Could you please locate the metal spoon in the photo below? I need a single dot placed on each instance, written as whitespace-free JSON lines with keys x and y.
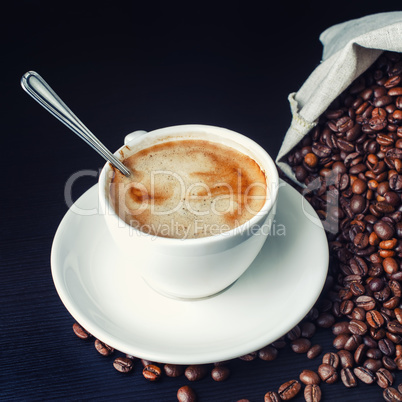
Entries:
{"x":38,"y":88}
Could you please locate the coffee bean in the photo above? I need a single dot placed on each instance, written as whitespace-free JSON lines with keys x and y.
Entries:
{"x":374,"y":353}
{"x":386,"y":347}
{"x":220,"y":373}
{"x":357,"y":327}
{"x":289,"y":390}
{"x":384,"y":378}
{"x":249,"y":357}
{"x":353,"y":342}
{"x":384,"y":230}
{"x":348,"y":378}
{"x":363,"y":374}
{"x":331,"y":358}
{"x":312,"y":393}
{"x":394,"y":327}
{"x":340,"y":341}
{"x":366,"y":302}
{"x":123,"y":364}
{"x":341,"y":327}
{"x":102,"y":348}
{"x":374,"y":319}
{"x":195,"y":372}
{"x":360,"y":353}
{"x":81,"y":332}
{"x":294,"y":333}
{"x":300,"y":345}
{"x":272,"y":396}
{"x":389,"y":363}
{"x":345,"y":358}
{"x":314,"y":351}
{"x":392,"y":395}
{"x":308,"y":329}
{"x":325,"y":320}
{"x":327,"y":373}
{"x":268,"y":353}
{"x":152,"y":372}
{"x":186,"y":394}
{"x":372,"y":364}
{"x":173,"y":370}
{"x":309,"y":377}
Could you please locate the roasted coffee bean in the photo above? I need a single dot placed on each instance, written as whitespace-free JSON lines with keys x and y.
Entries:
{"x":312,"y":393}
{"x":357,"y":327}
{"x":340,"y":341}
{"x":389,"y":363}
{"x":363,"y":374}
{"x":314,"y":351}
{"x":341,"y":327}
{"x":294,"y":333}
{"x":220,"y":373}
{"x":360,"y":353}
{"x":370,"y":342}
{"x":357,"y":204}
{"x":309,"y":377}
{"x":186,"y":394}
{"x":392,"y":395}
{"x":195,"y":372}
{"x":386,"y":347}
{"x":345,"y":358}
{"x":384,"y":378}
{"x":289,"y":390}
{"x":331,"y":358}
{"x":249,"y":357}
{"x":398,"y":314}
{"x":279,"y":344}
{"x":152,"y":372}
{"x":307,"y":329}
{"x":348,"y":378}
{"x":173,"y":370}
{"x":327,"y":373}
{"x":272,"y":396}
{"x":102,"y":348}
{"x":374,"y":318}
{"x":300,"y":345}
{"x":374,"y":353}
{"x":366,"y":302}
{"x":394,"y":327}
{"x":353,"y":342}
{"x":123,"y":364}
{"x":325,"y":320}
{"x":268,"y":353}
{"x":372,"y":364}
{"x":384,"y":230}
{"x":81,"y":332}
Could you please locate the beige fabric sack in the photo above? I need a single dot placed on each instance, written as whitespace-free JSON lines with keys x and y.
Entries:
{"x":350,"y":48}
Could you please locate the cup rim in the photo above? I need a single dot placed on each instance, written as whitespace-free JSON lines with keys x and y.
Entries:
{"x":219,"y":131}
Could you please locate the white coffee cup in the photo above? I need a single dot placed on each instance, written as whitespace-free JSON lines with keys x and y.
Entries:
{"x":192,"y":268}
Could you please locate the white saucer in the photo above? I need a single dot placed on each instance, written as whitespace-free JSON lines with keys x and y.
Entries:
{"x":273,"y":295}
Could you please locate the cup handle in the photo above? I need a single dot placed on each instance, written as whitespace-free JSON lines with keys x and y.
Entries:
{"x":134,"y":134}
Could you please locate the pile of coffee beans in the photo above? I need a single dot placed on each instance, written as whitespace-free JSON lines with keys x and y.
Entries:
{"x":351,"y":167}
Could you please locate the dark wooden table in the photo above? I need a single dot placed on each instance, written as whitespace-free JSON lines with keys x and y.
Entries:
{"x":122,"y":66}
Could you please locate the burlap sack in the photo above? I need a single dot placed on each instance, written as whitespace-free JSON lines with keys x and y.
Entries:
{"x":350,"y":48}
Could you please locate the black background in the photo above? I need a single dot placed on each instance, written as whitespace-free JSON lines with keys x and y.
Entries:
{"x":124,"y":66}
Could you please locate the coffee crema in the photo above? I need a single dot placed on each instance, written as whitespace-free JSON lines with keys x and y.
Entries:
{"x":188,"y":189}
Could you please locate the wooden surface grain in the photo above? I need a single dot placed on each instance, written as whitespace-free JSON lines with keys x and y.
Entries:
{"x":124,"y":66}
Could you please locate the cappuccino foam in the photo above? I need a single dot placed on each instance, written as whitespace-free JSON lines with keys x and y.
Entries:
{"x":188,"y":189}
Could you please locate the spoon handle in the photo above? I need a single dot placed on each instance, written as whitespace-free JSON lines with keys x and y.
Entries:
{"x":38,"y":88}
